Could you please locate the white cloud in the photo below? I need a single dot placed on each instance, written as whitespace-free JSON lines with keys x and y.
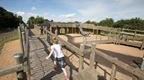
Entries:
{"x":20,"y":13}
{"x":26,"y":15}
{"x":101,"y":9}
{"x":33,"y":8}
{"x":93,"y":10}
{"x":70,"y":15}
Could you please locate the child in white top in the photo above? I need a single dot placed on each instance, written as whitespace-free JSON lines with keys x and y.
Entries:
{"x":56,"y":50}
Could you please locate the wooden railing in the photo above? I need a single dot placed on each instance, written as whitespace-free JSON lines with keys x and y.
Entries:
{"x":120,"y":36}
{"x":137,"y":73}
{"x":22,"y":59}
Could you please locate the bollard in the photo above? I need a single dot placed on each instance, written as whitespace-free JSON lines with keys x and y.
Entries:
{"x":21,"y":75}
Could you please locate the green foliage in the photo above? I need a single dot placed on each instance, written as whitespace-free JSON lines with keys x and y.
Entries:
{"x":38,"y":20}
{"x":91,"y":22}
{"x":107,"y":22}
{"x":8,"y":20}
{"x":31,"y":21}
{"x":134,"y":23}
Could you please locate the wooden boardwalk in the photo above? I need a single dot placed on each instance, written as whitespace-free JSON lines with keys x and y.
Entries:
{"x":42,"y":69}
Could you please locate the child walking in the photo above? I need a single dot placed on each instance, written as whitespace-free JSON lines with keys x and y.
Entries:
{"x":56,"y":50}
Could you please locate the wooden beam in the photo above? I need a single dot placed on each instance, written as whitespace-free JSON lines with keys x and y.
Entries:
{"x":68,"y":45}
{"x":11,"y":69}
{"x":135,"y":71}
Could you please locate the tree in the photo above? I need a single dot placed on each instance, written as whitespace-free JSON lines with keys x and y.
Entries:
{"x":107,"y":22}
{"x":133,"y":23}
{"x":91,"y":22}
{"x":8,"y":20}
{"x":88,"y":22}
{"x":39,"y":20}
{"x":31,"y":21}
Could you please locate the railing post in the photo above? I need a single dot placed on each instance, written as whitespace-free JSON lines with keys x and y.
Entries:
{"x":142,"y":45}
{"x":113,"y":72}
{"x":21,"y":40}
{"x":56,"y":32}
{"x":134,"y":35}
{"x":81,"y":58}
{"x":92,"y":56}
{"x":109,"y":35}
{"x":50,"y":37}
{"x":134,"y":77}
{"x":142,"y":64}
{"x":21,"y":75}
{"x":27,"y":47}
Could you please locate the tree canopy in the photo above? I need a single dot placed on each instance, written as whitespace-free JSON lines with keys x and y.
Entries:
{"x":107,"y":22}
{"x":133,"y":23}
{"x":8,"y":20}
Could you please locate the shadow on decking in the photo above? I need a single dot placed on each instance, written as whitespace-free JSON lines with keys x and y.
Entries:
{"x":52,"y":74}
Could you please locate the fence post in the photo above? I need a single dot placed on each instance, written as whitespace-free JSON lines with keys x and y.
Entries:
{"x":142,"y":64}
{"x":134,"y":77}
{"x":109,"y":35}
{"x":142,"y":45}
{"x":81,"y":58}
{"x":50,"y":35}
{"x":21,"y":75}
{"x":134,"y":35}
{"x":56,"y":32}
{"x":27,"y":47}
{"x":92,"y":56}
{"x":113,"y":72}
{"x":21,"y":40}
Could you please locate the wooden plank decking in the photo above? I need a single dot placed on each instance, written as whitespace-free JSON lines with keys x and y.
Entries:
{"x":42,"y":69}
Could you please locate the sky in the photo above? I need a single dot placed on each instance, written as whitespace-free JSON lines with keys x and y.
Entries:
{"x":76,"y":10}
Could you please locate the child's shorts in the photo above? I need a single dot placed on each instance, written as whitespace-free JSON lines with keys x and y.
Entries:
{"x":61,"y":62}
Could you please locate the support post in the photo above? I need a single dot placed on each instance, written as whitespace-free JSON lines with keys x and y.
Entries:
{"x":21,"y":40}
{"x":134,"y":77}
{"x":92,"y":56}
{"x":142,"y":45}
{"x":27,"y":47}
{"x":134,"y":35}
{"x":113,"y":72}
{"x":50,"y":35}
{"x":109,"y":35}
{"x":142,"y":64}
{"x":81,"y":58}
{"x":21,"y":75}
{"x":56,"y":32}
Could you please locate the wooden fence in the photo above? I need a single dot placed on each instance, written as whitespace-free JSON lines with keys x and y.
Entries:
{"x":137,"y":73}
{"x":120,"y":36}
{"x":22,"y":59}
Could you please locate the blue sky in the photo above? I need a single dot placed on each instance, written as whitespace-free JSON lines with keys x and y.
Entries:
{"x":76,"y":10}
